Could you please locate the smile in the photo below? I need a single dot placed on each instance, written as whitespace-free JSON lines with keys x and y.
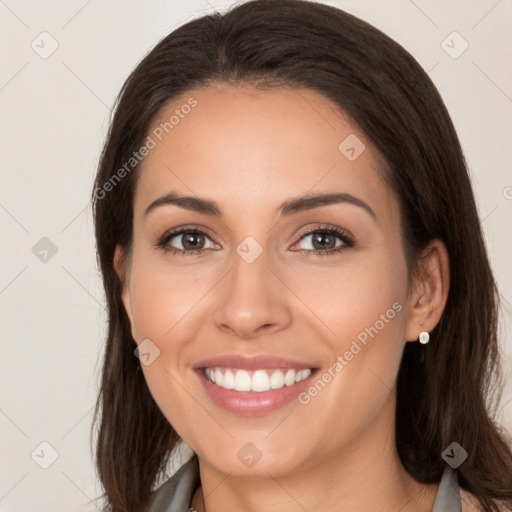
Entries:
{"x":257,"y":381}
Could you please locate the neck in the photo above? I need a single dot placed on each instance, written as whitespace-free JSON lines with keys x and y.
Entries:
{"x":366,"y":474}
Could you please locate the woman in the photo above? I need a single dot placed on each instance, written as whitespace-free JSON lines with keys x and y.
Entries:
{"x":296,"y":276}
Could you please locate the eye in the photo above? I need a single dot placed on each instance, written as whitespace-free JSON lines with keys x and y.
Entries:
{"x":326,"y":240}
{"x":187,"y":241}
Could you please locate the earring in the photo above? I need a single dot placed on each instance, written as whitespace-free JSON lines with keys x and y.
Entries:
{"x":424,"y":337}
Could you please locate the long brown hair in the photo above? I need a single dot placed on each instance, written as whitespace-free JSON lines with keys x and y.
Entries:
{"x":447,"y":394}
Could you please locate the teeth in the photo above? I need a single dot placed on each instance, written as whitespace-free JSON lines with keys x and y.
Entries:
{"x":260,"y":380}
{"x":228,"y":381}
{"x":305,"y":373}
{"x":277,"y":380}
{"x":290,"y":377}
{"x":242,"y":381}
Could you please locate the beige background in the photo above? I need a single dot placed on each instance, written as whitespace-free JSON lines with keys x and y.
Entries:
{"x":54,"y":116}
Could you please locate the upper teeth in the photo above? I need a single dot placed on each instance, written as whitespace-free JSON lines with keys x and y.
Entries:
{"x":260,"y":380}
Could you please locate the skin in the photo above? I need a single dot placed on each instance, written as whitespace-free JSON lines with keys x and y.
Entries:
{"x":249,"y":151}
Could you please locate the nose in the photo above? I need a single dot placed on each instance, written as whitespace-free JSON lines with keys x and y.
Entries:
{"x":252,"y":300}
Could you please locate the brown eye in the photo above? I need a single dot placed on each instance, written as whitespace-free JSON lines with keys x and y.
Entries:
{"x":322,"y":240}
{"x":187,"y":241}
{"x":325,"y":240}
{"x":192,"y":241}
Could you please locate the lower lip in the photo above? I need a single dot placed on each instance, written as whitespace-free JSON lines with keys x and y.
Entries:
{"x":252,"y":403}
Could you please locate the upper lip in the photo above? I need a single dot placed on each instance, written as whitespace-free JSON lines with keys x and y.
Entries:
{"x":251,"y":362}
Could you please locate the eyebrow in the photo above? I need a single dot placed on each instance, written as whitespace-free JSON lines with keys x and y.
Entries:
{"x":290,"y":207}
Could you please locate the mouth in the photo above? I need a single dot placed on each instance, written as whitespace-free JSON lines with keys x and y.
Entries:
{"x":257,"y":381}
{"x":253,"y":386}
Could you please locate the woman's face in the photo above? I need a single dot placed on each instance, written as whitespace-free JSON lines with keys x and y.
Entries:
{"x":252,"y":292}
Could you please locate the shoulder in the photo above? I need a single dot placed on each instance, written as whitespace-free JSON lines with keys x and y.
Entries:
{"x":471,"y":504}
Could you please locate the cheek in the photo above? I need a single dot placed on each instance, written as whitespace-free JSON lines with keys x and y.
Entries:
{"x":360,"y":308}
{"x":164,"y":304}
{"x":362,"y":313}
{"x":162,"y":297}
{"x":358,"y":299}
{"x":377,"y":307}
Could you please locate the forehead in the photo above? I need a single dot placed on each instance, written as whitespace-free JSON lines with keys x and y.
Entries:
{"x":244,"y":145}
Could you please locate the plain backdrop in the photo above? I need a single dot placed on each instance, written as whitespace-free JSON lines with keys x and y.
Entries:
{"x":54,"y":110}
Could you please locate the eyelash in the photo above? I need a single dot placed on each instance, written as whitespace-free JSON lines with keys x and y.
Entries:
{"x":344,"y":236}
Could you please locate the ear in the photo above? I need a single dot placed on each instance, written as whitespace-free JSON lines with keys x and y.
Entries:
{"x":121,"y":268}
{"x":429,"y":291}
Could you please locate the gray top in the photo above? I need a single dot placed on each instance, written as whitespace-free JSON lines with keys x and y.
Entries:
{"x":175,"y":494}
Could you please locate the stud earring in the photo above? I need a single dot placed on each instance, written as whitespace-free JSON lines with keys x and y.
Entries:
{"x":424,"y":337}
